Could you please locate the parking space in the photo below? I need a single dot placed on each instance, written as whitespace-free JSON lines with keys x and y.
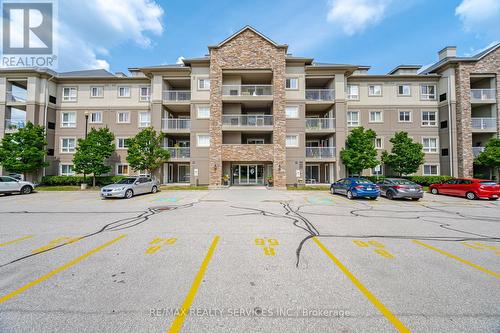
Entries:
{"x":247,"y":259}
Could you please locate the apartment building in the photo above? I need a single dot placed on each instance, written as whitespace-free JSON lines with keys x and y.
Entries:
{"x":250,"y":110}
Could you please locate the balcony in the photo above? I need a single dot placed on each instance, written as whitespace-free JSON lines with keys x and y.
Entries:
{"x":239,"y":122}
{"x":15,"y":97}
{"x":176,"y":124}
{"x":179,"y":153}
{"x":244,"y":91}
{"x":477,"y":150}
{"x":484,"y":124}
{"x":320,"y":95}
{"x":12,"y":126}
{"x":483,"y":95}
{"x":320,"y":153}
{"x":320,"y":124}
{"x":177,"y":95}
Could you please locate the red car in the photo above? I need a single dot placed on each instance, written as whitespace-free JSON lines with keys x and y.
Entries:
{"x":471,"y":188}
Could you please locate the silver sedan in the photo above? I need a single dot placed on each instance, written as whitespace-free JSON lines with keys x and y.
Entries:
{"x":130,"y":186}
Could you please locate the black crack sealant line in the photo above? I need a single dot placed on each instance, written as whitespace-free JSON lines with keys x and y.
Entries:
{"x":117,"y":225}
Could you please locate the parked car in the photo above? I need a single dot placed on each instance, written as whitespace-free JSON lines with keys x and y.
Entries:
{"x":356,"y":187}
{"x":17,"y":176}
{"x":471,"y":188}
{"x":130,"y":186}
{"x":10,"y":185}
{"x":393,"y":188}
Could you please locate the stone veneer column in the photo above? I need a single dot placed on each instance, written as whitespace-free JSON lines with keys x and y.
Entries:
{"x":279,"y":128}
{"x":215,"y":128}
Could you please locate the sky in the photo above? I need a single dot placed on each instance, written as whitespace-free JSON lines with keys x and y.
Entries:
{"x":118,"y":34}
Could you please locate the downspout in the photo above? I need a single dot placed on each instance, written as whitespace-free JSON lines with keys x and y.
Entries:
{"x":45,"y":115}
{"x":450,"y":136}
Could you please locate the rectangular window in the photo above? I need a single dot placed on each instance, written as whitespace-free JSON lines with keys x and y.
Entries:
{"x":255,"y":141}
{"x":444,"y":152}
{"x":96,"y":92}
{"x":144,"y":119}
{"x":68,"y":119}
{"x":292,"y":140}
{"x":292,"y":111}
{"x":122,"y":169}
{"x":379,"y":143}
{"x":404,"y":90}
{"x":375,"y":90}
{"x":203,"y":140}
{"x":292,"y":83}
{"x":121,"y":143}
{"x":404,"y":117}
{"x":431,"y":170}
{"x":123,"y":117}
{"x":66,"y":170}
{"x":353,"y":118}
{"x":68,"y":145}
{"x":95,"y":117}
{"x":352,"y":92}
{"x":203,"y":111}
{"x":376,"y":117}
{"x":427,"y":92}
{"x":203,"y":84}
{"x":444,"y":124}
{"x":144,"y":94}
{"x":123,"y":92}
{"x":429,"y":118}
{"x":430,"y":145}
{"x":69,"y":94}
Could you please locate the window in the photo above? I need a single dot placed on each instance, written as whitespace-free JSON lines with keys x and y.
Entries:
{"x":375,"y":90}
{"x":292,"y":140}
{"x":95,"y":117}
{"x":427,"y":92}
{"x":203,"y":140}
{"x":96,"y":92}
{"x":404,"y":116}
{"x":68,"y":145}
{"x":255,"y":141}
{"x":404,"y":90}
{"x":379,"y":143}
{"x":291,"y":83}
{"x":68,"y":119}
{"x":52,"y":99}
{"x":123,"y":117}
{"x":121,"y":143}
{"x":376,"y":117}
{"x":66,"y":170}
{"x":69,"y":94}
{"x":122,"y":169}
{"x":430,"y":145}
{"x":144,"y":94}
{"x":123,"y":92}
{"x":203,"y":111}
{"x":203,"y":84}
{"x":51,"y":125}
{"x":144,"y":119}
{"x":352,"y":92}
{"x":431,"y":169}
{"x":429,"y":118}
{"x":353,"y":118}
{"x":292,"y":111}
{"x":443,"y":124}
{"x":444,"y":152}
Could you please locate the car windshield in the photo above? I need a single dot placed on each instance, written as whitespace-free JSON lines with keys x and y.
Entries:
{"x":363,"y":181}
{"x":488,"y":182}
{"x":126,"y":181}
{"x":402,"y":182}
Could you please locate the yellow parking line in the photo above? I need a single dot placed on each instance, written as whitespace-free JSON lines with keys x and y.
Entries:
{"x":179,"y":320}
{"x":16,"y":240}
{"x":57,"y":270}
{"x":379,"y":305}
{"x":463,"y":261}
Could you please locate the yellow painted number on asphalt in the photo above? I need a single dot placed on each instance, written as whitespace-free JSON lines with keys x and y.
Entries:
{"x":158,"y":243}
{"x":379,"y":247}
{"x":267,"y":245}
{"x":56,"y":242}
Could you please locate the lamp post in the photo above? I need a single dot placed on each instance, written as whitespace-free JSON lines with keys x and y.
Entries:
{"x":86,"y":130}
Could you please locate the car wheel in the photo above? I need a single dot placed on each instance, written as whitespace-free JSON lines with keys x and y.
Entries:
{"x":26,"y":189}
{"x":373,"y":198}
{"x":349,"y":195}
{"x":434,"y":191}
{"x":129,"y":194}
{"x":470,"y":195}
{"x":154,"y":189}
{"x":389,"y":195}
{"x":332,"y":191}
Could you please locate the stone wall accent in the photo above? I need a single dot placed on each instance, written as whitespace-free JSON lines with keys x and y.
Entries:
{"x":247,"y":50}
{"x":490,"y":64}
{"x":248,"y":153}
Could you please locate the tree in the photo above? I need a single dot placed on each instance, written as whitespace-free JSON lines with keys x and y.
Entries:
{"x":406,"y":156}
{"x":490,"y":157}
{"x":24,"y":151}
{"x":145,"y":151}
{"x":360,"y":153}
{"x":92,"y":152}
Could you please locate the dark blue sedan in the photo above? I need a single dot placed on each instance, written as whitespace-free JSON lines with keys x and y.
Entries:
{"x":355,"y":187}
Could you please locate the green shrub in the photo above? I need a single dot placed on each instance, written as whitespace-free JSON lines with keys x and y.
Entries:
{"x":77,"y":180}
{"x":421,"y":180}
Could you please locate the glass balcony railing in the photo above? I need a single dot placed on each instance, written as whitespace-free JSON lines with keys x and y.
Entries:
{"x":484,"y":123}
{"x":483,"y":94}
{"x":320,"y":152}
{"x":176,"y":124}
{"x":15,"y":97}
{"x":177,"y":95}
{"x":477,"y":150}
{"x":247,"y":90}
{"x":320,"y":94}
{"x":317,"y":124}
{"x":247,"y":120}
{"x":179,"y":152}
{"x":14,"y":125}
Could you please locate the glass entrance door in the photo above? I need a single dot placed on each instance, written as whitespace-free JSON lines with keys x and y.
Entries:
{"x":248,"y":174}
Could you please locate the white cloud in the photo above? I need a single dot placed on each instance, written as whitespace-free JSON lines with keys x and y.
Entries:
{"x":353,"y":16}
{"x":480,"y":16}
{"x":88,"y":30}
{"x":179,"y":60}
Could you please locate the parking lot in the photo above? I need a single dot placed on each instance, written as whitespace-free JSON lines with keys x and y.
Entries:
{"x":248,"y":260}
